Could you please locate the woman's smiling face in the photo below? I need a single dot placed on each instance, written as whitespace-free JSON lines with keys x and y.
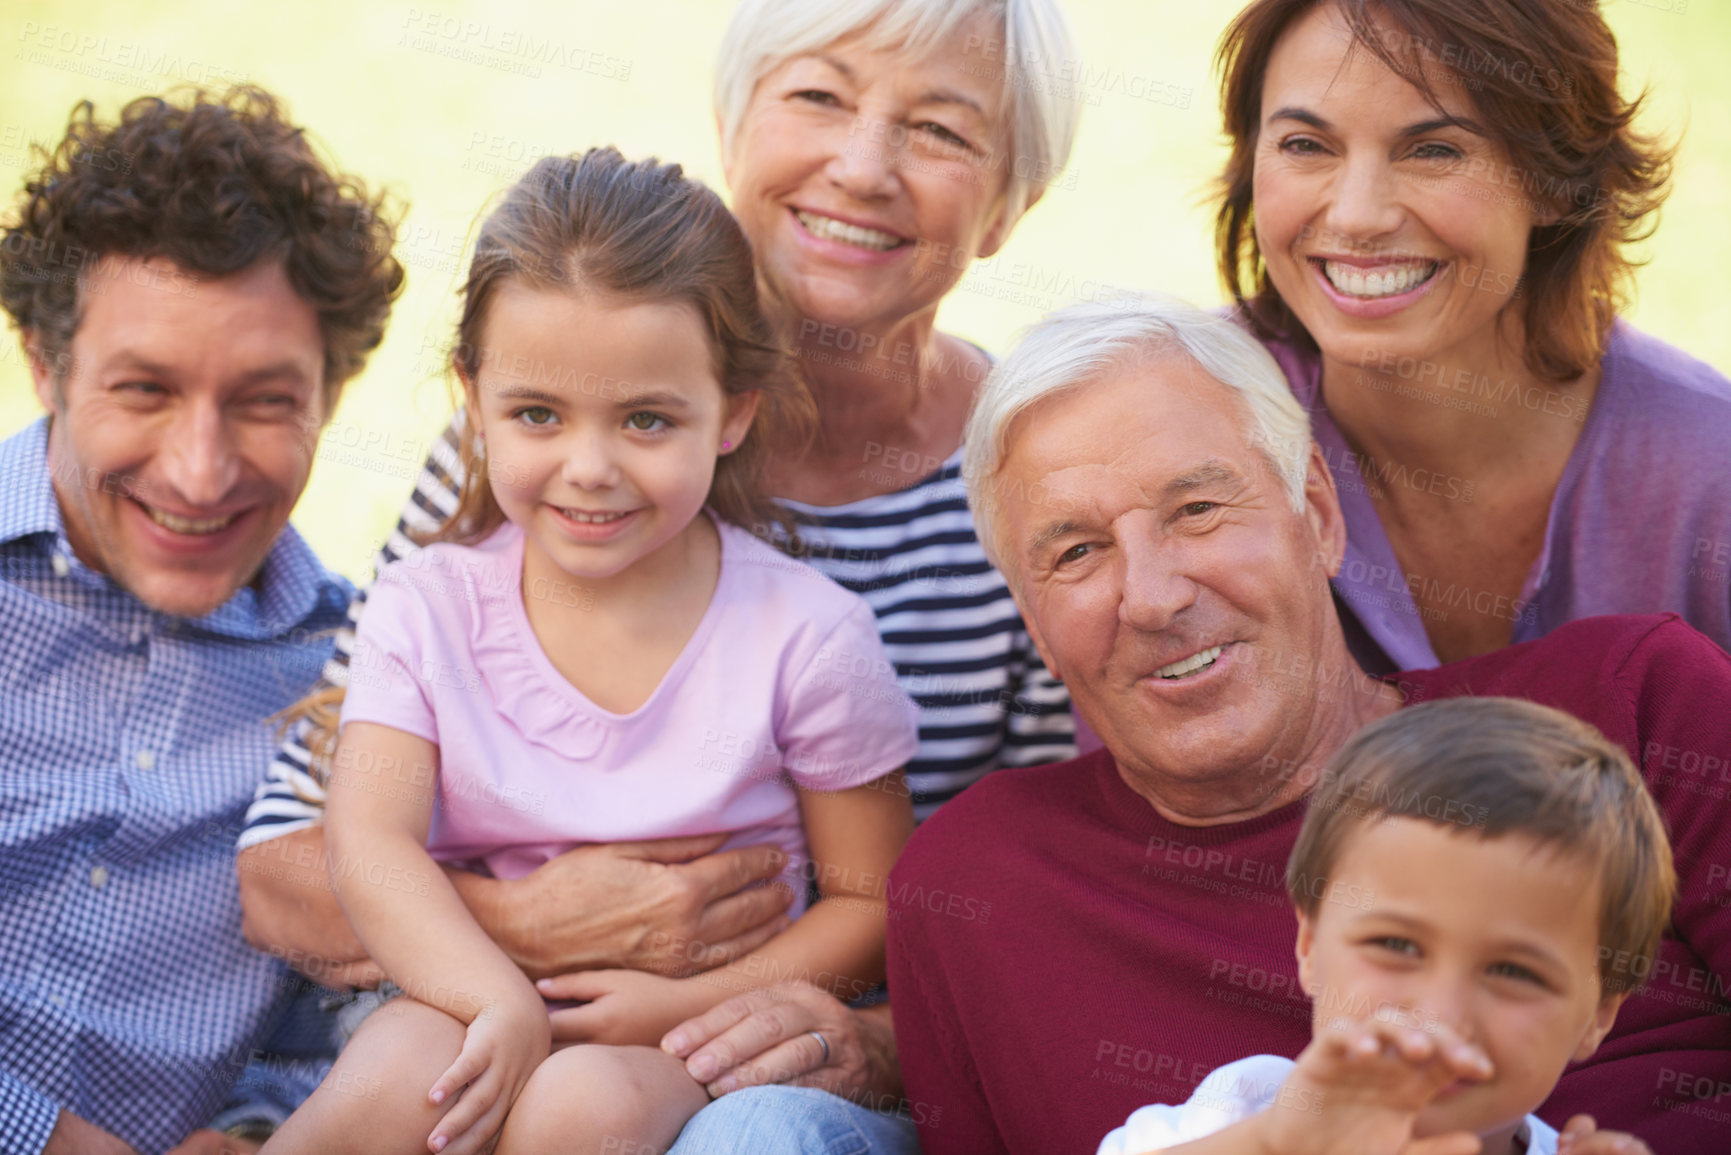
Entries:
{"x":868,"y":182}
{"x":1391,"y":226}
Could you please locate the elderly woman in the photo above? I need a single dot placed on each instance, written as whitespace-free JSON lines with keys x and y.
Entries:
{"x":1424,"y":216}
{"x":874,"y":149}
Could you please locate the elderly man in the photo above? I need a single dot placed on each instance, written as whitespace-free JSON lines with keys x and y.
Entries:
{"x":1069,"y":942}
{"x":192,"y":287}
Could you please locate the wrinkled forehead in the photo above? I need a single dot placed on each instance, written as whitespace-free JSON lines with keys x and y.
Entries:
{"x":1149,"y":428}
{"x":963,"y":41}
{"x":960,"y":63}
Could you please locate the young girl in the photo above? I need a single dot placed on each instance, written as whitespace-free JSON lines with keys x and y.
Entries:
{"x":597,"y":651}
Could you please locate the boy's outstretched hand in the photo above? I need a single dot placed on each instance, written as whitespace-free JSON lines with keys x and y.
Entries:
{"x":1581,"y":1136}
{"x":1360,"y":1086}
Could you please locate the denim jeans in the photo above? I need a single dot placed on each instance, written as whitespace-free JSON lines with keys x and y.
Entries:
{"x":777,"y":1120}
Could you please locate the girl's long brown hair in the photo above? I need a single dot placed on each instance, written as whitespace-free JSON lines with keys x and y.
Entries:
{"x":640,"y":231}
{"x":637,"y":231}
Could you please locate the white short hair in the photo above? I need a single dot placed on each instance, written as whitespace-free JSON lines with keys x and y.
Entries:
{"x":1044,"y":103}
{"x":1079,"y":345}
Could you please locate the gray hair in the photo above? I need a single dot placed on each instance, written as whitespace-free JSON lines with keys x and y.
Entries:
{"x":1080,"y":344}
{"x":1044,"y":103}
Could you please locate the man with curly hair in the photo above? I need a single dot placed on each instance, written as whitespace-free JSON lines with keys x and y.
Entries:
{"x":192,"y":286}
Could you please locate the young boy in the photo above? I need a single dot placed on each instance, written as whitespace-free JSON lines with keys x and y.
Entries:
{"x":1510,"y":850}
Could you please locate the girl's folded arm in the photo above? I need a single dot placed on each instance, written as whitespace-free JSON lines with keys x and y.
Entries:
{"x":854,"y":837}
{"x":403,"y":908}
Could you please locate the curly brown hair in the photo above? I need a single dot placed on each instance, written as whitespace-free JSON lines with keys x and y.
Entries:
{"x":1542,"y":75}
{"x":213,"y":183}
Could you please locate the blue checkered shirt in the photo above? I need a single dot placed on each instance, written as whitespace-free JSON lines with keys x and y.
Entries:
{"x":130,"y":743}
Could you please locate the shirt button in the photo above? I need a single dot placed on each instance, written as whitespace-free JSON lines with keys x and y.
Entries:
{"x":60,"y":565}
{"x":57,"y":1000}
{"x":99,"y":877}
{"x":145,"y":760}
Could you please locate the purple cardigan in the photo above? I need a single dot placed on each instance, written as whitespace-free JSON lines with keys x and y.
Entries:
{"x":1641,"y":520}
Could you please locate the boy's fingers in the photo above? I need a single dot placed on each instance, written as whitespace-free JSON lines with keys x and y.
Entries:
{"x":1414,"y":1045}
{"x":1469,"y":1060}
{"x":1464,"y":1058}
{"x":1355,"y":1044}
{"x":1379,"y":1039}
{"x":1579,"y":1125}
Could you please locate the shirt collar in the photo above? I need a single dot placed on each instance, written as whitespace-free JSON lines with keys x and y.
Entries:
{"x":294,"y":583}
{"x":27,"y":503}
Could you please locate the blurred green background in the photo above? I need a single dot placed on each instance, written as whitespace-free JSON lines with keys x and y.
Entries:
{"x":441,"y":103}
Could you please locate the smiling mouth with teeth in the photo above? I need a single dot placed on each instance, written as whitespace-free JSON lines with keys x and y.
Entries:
{"x":196,"y":526}
{"x":1187,"y":666}
{"x":583,"y":518}
{"x":860,"y":237}
{"x":1372,"y":284}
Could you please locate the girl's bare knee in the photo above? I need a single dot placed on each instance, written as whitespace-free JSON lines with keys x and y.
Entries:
{"x":375,"y":1098}
{"x":594,"y":1099}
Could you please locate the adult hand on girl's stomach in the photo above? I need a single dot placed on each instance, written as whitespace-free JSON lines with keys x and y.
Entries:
{"x":672,"y":906}
{"x":765,"y":1036}
{"x":624,"y":1007}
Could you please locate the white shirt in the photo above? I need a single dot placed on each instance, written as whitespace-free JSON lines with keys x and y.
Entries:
{"x":1232,"y":1094}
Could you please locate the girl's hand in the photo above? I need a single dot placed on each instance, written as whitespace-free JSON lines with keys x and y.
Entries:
{"x":1581,"y":1136}
{"x":765,"y":1036}
{"x":626,"y":1007}
{"x":503,"y":1046}
{"x":1359,"y":1087}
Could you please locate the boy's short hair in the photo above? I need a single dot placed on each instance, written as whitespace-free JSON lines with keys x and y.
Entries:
{"x":1488,"y":767}
{"x":214,"y":183}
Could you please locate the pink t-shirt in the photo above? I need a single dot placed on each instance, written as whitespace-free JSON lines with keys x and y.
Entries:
{"x":783,"y":682}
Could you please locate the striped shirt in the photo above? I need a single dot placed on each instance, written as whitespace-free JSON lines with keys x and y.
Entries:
{"x":946,"y":617}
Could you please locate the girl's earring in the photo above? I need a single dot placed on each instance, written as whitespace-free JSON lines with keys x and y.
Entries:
{"x":480,"y":446}
{"x":726,"y":445}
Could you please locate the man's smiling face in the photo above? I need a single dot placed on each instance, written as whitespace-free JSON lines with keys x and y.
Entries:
{"x":1165,"y":573}
{"x":184,"y":426}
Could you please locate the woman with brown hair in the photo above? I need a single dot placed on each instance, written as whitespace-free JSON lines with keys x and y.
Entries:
{"x":1425,"y":217}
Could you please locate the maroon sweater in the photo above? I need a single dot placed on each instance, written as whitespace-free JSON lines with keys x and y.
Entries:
{"x":1060,"y":955}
